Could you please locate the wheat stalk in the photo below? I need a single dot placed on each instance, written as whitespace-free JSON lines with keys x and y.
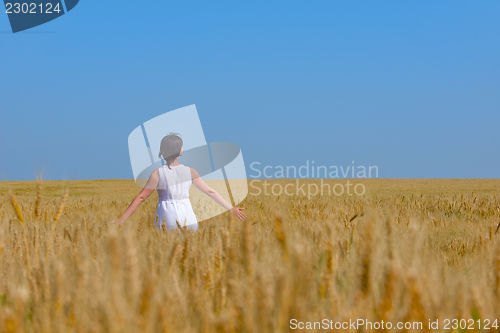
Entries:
{"x":280,"y":235}
{"x":61,"y":205}
{"x":38,"y":198}
{"x":17,"y":208}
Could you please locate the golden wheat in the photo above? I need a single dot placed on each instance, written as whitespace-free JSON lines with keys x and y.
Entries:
{"x":406,"y":251}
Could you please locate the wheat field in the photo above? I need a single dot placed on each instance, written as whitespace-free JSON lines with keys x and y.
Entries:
{"x":409,"y":251}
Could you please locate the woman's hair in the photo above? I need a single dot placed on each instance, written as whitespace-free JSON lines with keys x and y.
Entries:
{"x":170,"y":148}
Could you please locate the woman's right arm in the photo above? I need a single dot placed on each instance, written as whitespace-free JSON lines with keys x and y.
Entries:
{"x":143,"y":195}
{"x":214,"y":195}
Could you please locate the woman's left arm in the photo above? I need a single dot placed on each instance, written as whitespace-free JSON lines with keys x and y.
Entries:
{"x":143,"y":195}
{"x":204,"y":188}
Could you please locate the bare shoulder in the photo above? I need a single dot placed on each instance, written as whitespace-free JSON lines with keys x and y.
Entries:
{"x":153,"y":180}
{"x":194,"y":173}
{"x":155,"y":176}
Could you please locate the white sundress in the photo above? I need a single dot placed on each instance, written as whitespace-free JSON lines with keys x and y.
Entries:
{"x":173,"y":198}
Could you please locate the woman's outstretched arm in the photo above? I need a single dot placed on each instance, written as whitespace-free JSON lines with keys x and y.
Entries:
{"x":204,"y":188}
{"x":143,"y":195}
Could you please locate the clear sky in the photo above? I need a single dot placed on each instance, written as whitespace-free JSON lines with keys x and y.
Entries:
{"x":412,"y":87}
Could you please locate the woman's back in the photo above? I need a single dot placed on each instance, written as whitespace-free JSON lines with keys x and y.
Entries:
{"x":174,"y":182}
{"x":173,"y":193}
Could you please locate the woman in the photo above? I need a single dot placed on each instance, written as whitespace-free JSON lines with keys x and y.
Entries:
{"x":172,"y":181}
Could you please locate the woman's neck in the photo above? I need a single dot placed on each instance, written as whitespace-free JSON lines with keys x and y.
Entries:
{"x":175,"y":162}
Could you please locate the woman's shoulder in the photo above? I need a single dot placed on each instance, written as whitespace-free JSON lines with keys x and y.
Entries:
{"x":194,"y":173}
{"x":156,"y":173}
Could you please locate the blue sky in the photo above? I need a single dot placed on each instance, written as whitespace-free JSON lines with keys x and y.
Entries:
{"x":411,"y":87}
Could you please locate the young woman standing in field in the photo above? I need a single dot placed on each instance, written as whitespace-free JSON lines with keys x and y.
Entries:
{"x":172,"y":181}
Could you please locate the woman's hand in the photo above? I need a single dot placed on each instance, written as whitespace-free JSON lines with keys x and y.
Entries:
{"x":237,"y":211}
{"x":118,"y":221}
